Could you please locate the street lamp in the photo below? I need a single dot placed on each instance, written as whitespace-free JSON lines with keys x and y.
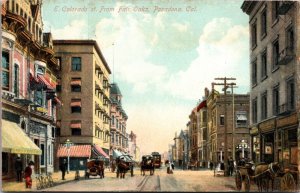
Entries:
{"x":243,"y":145}
{"x":68,"y":144}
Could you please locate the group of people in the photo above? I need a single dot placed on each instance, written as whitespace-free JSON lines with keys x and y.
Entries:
{"x":27,"y":172}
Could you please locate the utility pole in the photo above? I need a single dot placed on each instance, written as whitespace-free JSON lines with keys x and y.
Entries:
{"x":226,"y":85}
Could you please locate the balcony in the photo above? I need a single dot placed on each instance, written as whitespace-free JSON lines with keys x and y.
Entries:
{"x":284,"y":7}
{"x":285,"y":56}
{"x":7,"y":95}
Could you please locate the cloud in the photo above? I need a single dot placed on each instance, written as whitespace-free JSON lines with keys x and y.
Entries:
{"x":222,"y":51}
{"x":77,"y":29}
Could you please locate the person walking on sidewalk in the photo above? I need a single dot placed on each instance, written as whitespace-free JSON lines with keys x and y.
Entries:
{"x":19,"y":169}
{"x":63,"y":167}
{"x":27,"y":174}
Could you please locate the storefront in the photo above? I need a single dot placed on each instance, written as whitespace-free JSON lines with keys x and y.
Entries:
{"x":287,"y":150}
{"x":267,"y":140}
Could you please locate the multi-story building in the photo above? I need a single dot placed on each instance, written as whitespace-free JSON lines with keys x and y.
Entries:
{"x":193,"y":136}
{"x":132,"y":146}
{"x":237,"y":125}
{"x":202,"y":136}
{"x":28,"y":81}
{"x":119,"y":139}
{"x":275,"y":67}
{"x":84,"y":118}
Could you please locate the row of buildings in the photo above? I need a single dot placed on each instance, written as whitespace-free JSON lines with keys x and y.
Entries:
{"x":264,"y":123}
{"x":57,"y":99}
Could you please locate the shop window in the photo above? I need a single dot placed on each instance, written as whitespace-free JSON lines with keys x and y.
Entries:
{"x":43,"y":155}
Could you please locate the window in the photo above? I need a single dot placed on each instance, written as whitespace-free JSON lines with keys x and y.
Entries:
{"x":291,"y":94}
{"x":254,"y":35}
{"x":13,"y":6}
{"x":58,"y":88}
{"x":276,"y":100}
{"x":222,"y":120}
{"x":76,"y":106}
{"x":76,"y":131}
{"x":264,"y":65}
{"x":264,"y":23}
{"x":16,"y":81}
{"x":275,"y":54}
{"x":39,"y":97}
{"x":21,"y":13}
{"x":5,"y":70}
{"x":264,"y":105}
{"x":53,"y":132}
{"x":43,"y":154}
{"x":113,"y":120}
{"x":76,"y":85}
{"x":17,"y":8}
{"x":76,"y":64}
{"x":57,"y":133}
{"x":254,"y":73}
{"x":275,"y":7}
{"x":40,"y":69}
{"x":290,"y":38}
{"x":241,"y":119}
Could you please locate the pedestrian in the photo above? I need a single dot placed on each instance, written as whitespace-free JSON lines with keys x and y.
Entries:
{"x":19,"y":168}
{"x":211,"y":165}
{"x":63,"y":167}
{"x":27,"y":175}
{"x":172,"y":165}
{"x":131,"y":169}
{"x":230,"y":166}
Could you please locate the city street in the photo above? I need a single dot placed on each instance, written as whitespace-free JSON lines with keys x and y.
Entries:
{"x":180,"y":180}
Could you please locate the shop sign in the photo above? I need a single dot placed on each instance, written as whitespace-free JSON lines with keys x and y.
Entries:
{"x":267,"y":125}
{"x":290,"y":120}
{"x":41,"y":109}
{"x":268,"y":149}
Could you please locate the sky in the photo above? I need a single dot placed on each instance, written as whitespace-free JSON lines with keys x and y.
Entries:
{"x":162,"y":54}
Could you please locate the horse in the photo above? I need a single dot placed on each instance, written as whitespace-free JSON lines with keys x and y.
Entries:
{"x":264,"y":174}
{"x":147,"y":164}
{"x":122,"y":167}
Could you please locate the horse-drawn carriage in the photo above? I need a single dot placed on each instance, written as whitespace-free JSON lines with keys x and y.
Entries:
{"x":94,"y":167}
{"x":147,"y":164}
{"x":124,"y":163}
{"x":263,"y":174}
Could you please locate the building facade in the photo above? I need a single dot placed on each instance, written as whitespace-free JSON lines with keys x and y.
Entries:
{"x":237,"y":125}
{"x":274,"y":62}
{"x":194,"y":136}
{"x":29,"y":72}
{"x":84,"y":90}
{"x":202,"y":136}
{"x":119,"y":136}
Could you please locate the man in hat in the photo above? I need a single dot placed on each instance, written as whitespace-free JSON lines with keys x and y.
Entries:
{"x":63,"y":167}
{"x":19,"y":168}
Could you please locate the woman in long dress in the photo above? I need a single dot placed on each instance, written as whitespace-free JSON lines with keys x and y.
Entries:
{"x":27,"y":175}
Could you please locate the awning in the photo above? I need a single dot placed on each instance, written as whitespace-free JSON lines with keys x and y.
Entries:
{"x":14,"y":140}
{"x":76,"y":104}
{"x":75,"y":151}
{"x":57,"y":101}
{"x":116,"y":154}
{"x":100,"y":151}
{"x":45,"y":82}
{"x":75,"y":125}
{"x":76,"y":82}
{"x":241,"y":117}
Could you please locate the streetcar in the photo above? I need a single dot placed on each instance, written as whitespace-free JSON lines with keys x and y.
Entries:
{"x":157,"y":159}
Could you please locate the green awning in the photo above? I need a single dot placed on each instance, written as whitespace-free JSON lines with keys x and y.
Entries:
{"x":14,"y":140}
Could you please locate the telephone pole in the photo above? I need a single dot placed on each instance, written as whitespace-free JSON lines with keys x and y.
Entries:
{"x":226,"y":85}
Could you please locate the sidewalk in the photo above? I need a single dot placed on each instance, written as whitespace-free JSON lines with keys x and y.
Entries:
{"x":12,"y":185}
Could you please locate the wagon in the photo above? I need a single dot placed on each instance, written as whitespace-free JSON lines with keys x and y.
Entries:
{"x":285,"y":180}
{"x":94,"y":167}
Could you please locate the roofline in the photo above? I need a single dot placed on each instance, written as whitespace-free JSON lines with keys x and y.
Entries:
{"x":84,"y":42}
{"x":248,"y":6}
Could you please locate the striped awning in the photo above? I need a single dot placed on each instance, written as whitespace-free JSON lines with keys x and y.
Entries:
{"x":45,"y":82}
{"x":76,"y":82}
{"x":14,"y":140}
{"x":100,"y":151}
{"x":75,"y":125}
{"x":76,"y":104}
{"x":75,"y":151}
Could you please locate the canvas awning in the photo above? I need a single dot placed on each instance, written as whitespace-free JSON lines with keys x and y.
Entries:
{"x":75,"y":151}
{"x":45,"y":82}
{"x":76,"y":104}
{"x":75,"y":125}
{"x":14,"y":140}
{"x":76,"y":82}
{"x":100,"y":151}
{"x":116,"y":154}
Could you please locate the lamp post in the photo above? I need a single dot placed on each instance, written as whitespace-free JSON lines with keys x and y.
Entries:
{"x":68,"y":144}
{"x":243,"y":145}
